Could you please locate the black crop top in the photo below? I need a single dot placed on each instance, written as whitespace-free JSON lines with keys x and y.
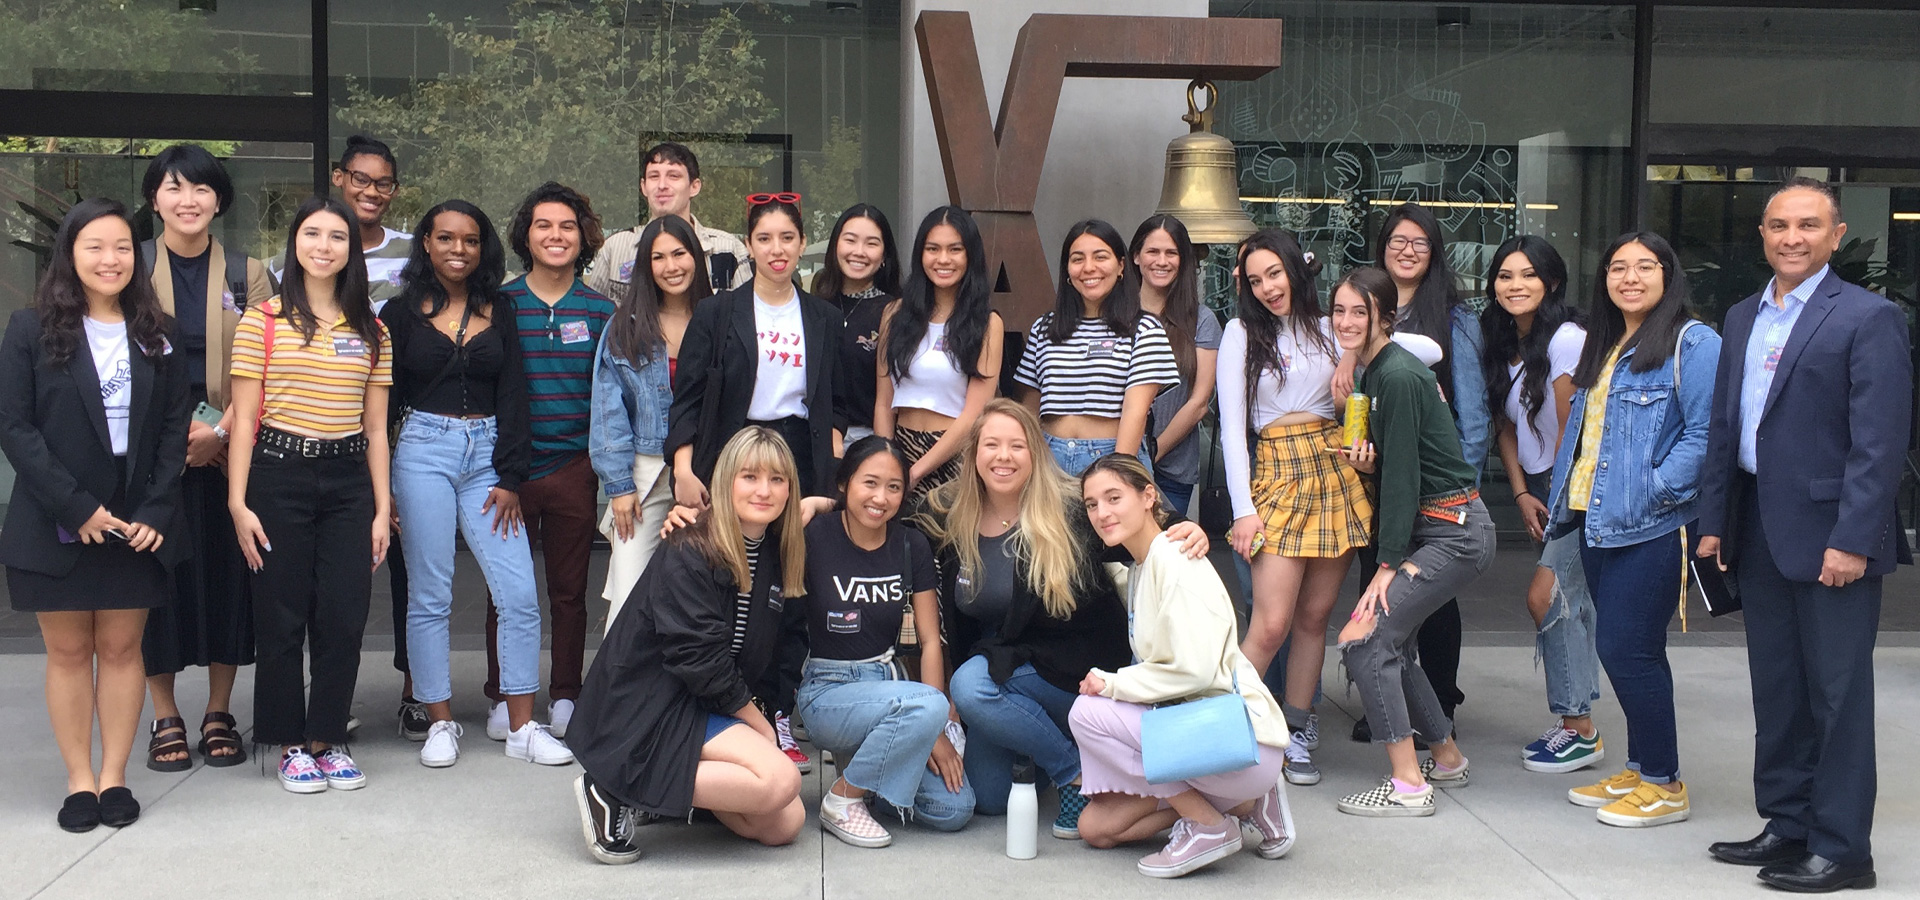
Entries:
{"x":490,"y":380}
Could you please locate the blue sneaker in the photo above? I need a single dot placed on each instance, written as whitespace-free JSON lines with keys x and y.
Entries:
{"x":1565,"y":751}
{"x":1066,"y":826}
{"x":300,"y":774}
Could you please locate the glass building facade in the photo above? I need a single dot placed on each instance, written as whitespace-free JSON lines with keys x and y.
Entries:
{"x":1573,"y":121}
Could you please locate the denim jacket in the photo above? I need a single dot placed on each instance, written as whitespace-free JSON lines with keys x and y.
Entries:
{"x":1468,"y":395}
{"x":629,"y":415}
{"x":1658,"y":442}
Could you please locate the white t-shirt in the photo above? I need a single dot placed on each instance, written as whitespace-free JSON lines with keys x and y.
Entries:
{"x":780,"y":384}
{"x":1541,"y":439}
{"x":108,"y":342}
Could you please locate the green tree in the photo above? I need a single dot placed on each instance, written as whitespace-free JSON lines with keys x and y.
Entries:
{"x":833,"y":184}
{"x":572,"y":92}
{"x":114,"y":45}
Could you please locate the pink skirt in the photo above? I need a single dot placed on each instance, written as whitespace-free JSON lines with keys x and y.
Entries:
{"x":1108,"y":732}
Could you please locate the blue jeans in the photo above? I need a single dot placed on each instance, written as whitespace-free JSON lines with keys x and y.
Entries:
{"x":1565,"y":641}
{"x":1076,"y":454}
{"x":1179,"y":494}
{"x":1636,"y":589}
{"x":1026,"y":716}
{"x":882,"y":731}
{"x":442,"y":472}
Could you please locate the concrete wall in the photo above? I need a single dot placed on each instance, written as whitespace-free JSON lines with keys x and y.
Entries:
{"x":1108,"y":149}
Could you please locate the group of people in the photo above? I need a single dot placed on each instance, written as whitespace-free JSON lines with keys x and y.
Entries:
{"x":831,"y":514}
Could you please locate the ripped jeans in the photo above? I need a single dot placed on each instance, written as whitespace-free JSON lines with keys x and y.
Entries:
{"x":1564,"y":646}
{"x":1394,"y":690}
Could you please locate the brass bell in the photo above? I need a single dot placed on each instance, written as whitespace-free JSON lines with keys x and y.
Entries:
{"x":1202,"y":189}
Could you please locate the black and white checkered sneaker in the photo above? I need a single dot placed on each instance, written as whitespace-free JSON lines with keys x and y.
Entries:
{"x":1388,"y":801}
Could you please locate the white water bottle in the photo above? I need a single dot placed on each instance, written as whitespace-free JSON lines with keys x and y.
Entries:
{"x":1023,"y":814}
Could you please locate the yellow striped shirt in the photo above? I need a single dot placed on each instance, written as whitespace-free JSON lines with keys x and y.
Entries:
{"x":315,"y":389}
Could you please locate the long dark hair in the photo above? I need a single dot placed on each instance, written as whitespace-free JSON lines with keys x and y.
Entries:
{"x":1500,"y":335}
{"x":349,"y":286}
{"x":61,"y":297}
{"x":1653,"y":342}
{"x":634,"y":331}
{"x":972,"y":302}
{"x":418,"y":281}
{"x":831,"y":282}
{"x":1431,"y":310}
{"x":1262,"y":326}
{"x":1120,"y":311}
{"x":1180,"y":315}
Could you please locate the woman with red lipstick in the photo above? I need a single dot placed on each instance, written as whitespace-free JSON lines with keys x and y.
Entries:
{"x":939,"y":359}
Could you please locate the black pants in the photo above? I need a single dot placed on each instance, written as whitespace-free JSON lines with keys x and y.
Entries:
{"x":1810,"y":655}
{"x":799,"y":438}
{"x":313,"y":589}
{"x":397,"y":578}
{"x":1439,"y":642}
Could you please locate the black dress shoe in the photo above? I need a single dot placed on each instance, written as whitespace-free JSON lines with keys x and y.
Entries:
{"x":81,"y":813}
{"x":1812,"y":874}
{"x":1766,"y":850}
{"x":118,"y":809}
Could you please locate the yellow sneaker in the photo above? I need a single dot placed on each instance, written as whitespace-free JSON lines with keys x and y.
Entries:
{"x":1649,"y":804}
{"x":1594,"y":796}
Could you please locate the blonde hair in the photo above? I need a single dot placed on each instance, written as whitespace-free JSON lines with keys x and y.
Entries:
{"x":1044,"y":541}
{"x":754,"y":448}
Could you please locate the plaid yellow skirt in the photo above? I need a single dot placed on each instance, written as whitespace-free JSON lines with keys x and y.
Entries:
{"x":1311,"y":501}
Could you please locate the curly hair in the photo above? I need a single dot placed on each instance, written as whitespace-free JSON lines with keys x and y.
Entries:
{"x":591,"y":237}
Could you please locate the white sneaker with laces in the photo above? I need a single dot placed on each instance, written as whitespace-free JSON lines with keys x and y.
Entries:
{"x":559,"y":716}
{"x":442,"y":748}
{"x":535,"y":744}
{"x":497,"y":724}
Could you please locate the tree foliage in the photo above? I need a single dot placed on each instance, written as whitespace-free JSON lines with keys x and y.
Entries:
{"x":114,"y":45}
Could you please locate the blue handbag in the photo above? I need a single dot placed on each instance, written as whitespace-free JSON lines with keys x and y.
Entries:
{"x":1183,"y":741}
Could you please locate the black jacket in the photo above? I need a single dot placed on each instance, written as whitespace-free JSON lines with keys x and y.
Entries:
{"x":665,"y":664}
{"x":513,"y":449}
{"x":1060,"y":651}
{"x":733,"y":357}
{"x":53,"y":429}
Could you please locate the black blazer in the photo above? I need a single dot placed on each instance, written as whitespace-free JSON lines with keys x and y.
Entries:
{"x":1832,"y":438}
{"x":53,"y":429}
{"x":736,"y":353}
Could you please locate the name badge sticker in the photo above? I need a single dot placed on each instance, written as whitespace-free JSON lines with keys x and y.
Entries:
{"x":843,"y":621}
{"x":626,"y":273}
{"x":227,"y":302}
{"x":349,"y":346}
{"x":775,"y":602}
{"x":940,"y":344}
{"x":1101,"y":349}
{"x":575,"y":332}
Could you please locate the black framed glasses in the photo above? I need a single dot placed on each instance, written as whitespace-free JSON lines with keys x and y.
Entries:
{"x":382,"y":186}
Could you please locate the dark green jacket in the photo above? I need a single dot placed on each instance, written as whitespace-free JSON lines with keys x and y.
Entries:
{"x":1418,"y":446}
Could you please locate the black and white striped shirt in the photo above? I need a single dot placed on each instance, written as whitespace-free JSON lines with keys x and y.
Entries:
{"x":1089,"y":373}
{"x":743,"y":602}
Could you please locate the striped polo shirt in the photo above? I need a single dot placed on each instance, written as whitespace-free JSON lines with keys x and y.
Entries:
{"x":1089,"y":373}
{"x":313,"y":388}
{"x":557,"y":345}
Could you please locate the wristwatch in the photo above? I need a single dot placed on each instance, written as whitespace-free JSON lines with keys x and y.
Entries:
{"x":221,"y":433}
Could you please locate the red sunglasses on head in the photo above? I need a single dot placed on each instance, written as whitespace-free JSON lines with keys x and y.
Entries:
{"x":781,"y":197}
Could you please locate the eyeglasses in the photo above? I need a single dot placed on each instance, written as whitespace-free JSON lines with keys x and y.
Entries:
{"x":1646,"y":267}
{"x":788,"y":197}
{"x":382,"y":186}
{"x":1398,"y":243}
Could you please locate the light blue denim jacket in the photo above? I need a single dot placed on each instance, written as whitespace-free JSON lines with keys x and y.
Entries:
{"x":1469,"y":392}
{"x":1658,"y":442}
{"x":629,"y":415}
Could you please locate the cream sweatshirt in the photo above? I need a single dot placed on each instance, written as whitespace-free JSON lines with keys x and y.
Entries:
{"x":1184,"y":635}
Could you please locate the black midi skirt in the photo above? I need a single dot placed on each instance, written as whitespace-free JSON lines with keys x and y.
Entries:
{"x":211,"y":617}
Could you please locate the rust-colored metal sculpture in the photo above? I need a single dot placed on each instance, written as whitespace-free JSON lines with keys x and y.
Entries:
{"x":993,"y":170}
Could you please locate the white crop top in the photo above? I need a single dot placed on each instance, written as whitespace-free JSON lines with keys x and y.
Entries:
{"x":933,"y":382}
{"x":1308,"y":388}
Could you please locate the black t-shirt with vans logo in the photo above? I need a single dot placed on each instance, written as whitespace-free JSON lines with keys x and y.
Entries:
{"x":856,"y":597}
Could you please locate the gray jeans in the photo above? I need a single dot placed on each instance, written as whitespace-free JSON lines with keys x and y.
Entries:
{"x":1395,"y":691}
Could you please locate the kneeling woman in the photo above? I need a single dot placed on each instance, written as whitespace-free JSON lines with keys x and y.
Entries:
{"x":864,"y":571}
{"x":1184,"y":636}
{"x":658,"y":727}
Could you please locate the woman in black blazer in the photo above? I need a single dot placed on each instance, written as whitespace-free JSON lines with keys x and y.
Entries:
{"x":765,"y":353}
{"x":93,"y":417}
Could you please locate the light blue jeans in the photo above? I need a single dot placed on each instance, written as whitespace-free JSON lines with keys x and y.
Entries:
{"x":442,"y":472}
{"x":1075,"y":454}
{"x":881,"y":732}
{"x":1565,"y":647}
{"x":1026,"y":716}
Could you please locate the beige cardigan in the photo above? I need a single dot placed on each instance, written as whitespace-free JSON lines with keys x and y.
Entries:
{"x":1184,"y":634}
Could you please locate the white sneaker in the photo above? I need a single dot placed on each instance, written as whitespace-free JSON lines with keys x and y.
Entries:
{"x":535,"y":744}
{"x":497,"y":726}
{"x":559,"y":715}
{"x":442,"y":748}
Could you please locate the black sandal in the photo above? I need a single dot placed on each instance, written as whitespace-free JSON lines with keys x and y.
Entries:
{"x":118,"y":808}
{"x":219,"y":731}
{"x":169,"y":736}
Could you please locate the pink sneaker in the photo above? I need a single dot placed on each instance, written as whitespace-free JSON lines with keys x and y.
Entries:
{"x":1191,"y":846}
{"x":1272,"y":819}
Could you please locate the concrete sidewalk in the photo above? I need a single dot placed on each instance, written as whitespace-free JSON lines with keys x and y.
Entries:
{"x":494,"y":827}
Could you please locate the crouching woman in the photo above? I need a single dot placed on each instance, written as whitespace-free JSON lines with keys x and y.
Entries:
{"x":1182,"y":629}
{"x":666,"y":722}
